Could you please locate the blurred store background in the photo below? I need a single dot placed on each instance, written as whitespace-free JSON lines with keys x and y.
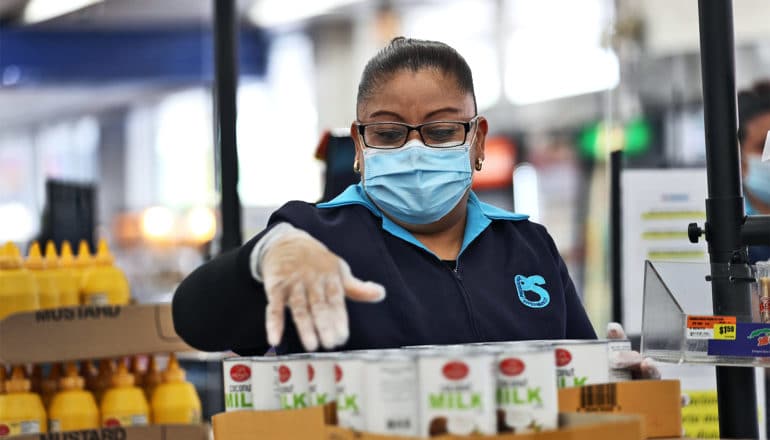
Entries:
{"x":106,"y":112}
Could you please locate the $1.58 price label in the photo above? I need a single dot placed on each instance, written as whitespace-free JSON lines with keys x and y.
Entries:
{"x":711,"y":327}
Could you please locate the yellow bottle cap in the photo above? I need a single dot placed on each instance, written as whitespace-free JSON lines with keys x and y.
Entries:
{"x":17,"y":383}
{"x":173,"y":373}
{"x":103,"y":256}
{"x":84,"y":255}
{"x":71,"y":379}
{"x":51,"y":259}
{"x":35,"y":258}
{"x":122,"y":378}
{"x":66,"y":259}
{"x":11,"y":257}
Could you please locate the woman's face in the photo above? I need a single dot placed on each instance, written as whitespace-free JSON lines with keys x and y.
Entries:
{"x":418,"y":97}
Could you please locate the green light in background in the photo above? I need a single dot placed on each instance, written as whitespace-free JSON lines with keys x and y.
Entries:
{"x":596,"y":140}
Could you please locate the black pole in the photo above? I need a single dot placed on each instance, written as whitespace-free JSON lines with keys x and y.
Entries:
{"x":225,"y":86}
{"x":616,"y":237}
{"x":724,"y":209}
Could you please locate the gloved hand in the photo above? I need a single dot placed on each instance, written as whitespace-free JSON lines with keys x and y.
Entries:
{"x":641,"y":368}
{"x":299,"y":271}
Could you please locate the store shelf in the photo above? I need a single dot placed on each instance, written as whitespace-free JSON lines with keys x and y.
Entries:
{"x":88,"y":332}
{"x":678,"y":325}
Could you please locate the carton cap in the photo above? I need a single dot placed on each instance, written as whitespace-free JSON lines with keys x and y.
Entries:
{"x":10,"y":257}
{"x":122,"y":378}
{"x":51,"y":259}
{"x":84,"y":255}
{"x":17,"y":383}
{"x":173,"y":373}
{"x":103,"y":256}
{"x":67,"y":259}
{"x":71,"y":380}
{"x":35,"y":258}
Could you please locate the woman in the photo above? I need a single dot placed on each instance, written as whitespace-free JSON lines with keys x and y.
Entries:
{"x":455,"y":270}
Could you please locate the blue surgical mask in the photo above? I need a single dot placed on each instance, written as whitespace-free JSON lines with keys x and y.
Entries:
{"x":758,"y":178}
{"x":417,"y":184}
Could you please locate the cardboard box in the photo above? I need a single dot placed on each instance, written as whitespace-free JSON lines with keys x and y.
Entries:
{"x":88,"y":332}
{"x":308,"y":424}
{"x":156,"y":432}
{"x":659,"y":401}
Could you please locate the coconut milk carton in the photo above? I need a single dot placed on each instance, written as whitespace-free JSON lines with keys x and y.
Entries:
{"x":321,"y":385}
{"x":457,"y":392}
{"x":349,"y":379}
{"x":527,"y":397}
{"x":390,"y":394}
{"x":580,"y":363}
{"x":293,"y":381}
{"x":236,"y":372}
{"x":264,"y":383}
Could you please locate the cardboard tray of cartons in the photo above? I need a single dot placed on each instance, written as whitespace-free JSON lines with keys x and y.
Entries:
{"x":155,"y":432}
{"x":659,"y":401}
{"x":309,"y":424}
{"x":88,"y":332}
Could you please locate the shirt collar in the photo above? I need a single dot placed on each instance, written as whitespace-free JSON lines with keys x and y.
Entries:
{"x":480,"y":215}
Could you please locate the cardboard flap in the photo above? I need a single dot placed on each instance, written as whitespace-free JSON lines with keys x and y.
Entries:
{"x":88,"y":332}
{"x":306,"y":424}
{"x":659,"y":401}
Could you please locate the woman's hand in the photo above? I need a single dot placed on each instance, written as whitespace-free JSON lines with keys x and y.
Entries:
{"x":641,"y":368}
{"x":298,"y":271}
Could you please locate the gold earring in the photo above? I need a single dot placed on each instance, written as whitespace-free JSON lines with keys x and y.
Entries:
{"x":356,"y":167}
{"x":479,"y":163}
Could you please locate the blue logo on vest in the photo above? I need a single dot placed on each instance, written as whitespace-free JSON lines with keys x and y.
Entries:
{"x":532,"y":284}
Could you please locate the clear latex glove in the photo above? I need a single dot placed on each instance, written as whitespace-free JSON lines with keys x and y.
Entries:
{"x":298,"y":271}
{"x":641,"y":368}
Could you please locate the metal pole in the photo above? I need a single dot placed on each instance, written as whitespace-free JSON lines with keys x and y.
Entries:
{"x":724,"y":208}
{"x":225,"y":86}
{"x":616,"y":236}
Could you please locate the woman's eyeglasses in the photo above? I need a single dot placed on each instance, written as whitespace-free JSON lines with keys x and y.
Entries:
{"x":437,"y":134}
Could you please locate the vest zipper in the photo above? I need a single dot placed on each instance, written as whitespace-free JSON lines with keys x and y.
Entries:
{"x":466,"y":298}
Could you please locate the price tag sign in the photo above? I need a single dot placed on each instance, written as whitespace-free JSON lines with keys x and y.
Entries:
{"x":725,"y":332}
{"x":708,"y":327}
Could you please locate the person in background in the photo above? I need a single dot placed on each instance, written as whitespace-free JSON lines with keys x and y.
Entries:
{"x":753,"y":127}
{"x":455,"y":269}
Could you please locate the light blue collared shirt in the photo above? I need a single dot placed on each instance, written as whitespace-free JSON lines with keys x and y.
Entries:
{"x":480,"y":215}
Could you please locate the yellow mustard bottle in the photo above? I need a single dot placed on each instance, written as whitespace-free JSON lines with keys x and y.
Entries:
{"x":102,"y":381}
{"x":49,"y":385}
{"x":124,"y":404}
{"x":18,"y":289}
{"x":21,"y":412}
{"x":82,"y":264}
{"x":152,"y":377}
{"x":47,"y":282}
{"x":175,"y":400}
{"x":104,"y":283}
{"x":61,"y":270}
{"x":73,"y":408}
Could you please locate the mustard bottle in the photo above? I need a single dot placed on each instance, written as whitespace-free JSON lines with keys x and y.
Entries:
{"x":18,"y":289}
{"x":175,"y":400}
{"x":73,"y":408}
{"x":61,"y":268}
{"x":3,"y":377}
{"x":103,"y":380}
{"x":104,"y":283}
{"x":21,"y":412}
{"x":124,"y":404}
{"x":152,"y":377}
{"x":49,"y":385}
{"x":82,"y":264}
{"x":47,"y":280}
